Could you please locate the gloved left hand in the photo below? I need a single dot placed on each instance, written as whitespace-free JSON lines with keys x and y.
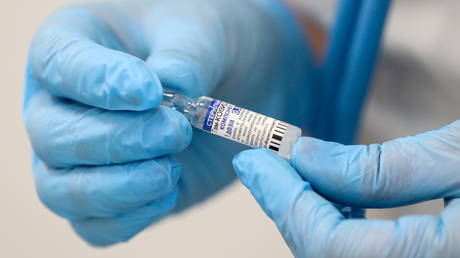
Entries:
{"x":108,"y":157}
{"x":399,"y":172}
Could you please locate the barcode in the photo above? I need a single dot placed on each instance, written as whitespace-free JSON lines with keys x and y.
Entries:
{"x":277,"y":136}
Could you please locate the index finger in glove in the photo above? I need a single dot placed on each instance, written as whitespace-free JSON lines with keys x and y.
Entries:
{"x":76,"y":55}
{"x":394,"y":173}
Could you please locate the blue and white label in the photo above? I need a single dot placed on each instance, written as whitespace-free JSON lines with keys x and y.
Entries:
{"x":244,"y":126}
{"x":210,"y":115}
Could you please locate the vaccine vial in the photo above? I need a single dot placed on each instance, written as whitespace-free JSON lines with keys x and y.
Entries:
{"x":235,"y":123}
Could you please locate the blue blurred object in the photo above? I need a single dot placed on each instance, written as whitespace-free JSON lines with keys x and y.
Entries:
{"x":396,"y":173}
{"x":359,"y":69}
{"x":352,"y":54}
{"x":107,"y":157}
{"x":339,"y":44}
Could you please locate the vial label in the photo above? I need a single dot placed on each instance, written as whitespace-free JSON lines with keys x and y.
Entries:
{"x":244,"y":126}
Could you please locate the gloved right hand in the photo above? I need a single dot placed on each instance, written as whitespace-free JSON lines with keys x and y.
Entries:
{"x":297,"y":196}
{"x":94,"y":83}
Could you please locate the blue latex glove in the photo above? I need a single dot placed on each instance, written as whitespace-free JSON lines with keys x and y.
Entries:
{"x":108,"y":157}
{"x":395,"y":173}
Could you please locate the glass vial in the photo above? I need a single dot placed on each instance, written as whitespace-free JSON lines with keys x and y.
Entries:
{"x":235,"y":123}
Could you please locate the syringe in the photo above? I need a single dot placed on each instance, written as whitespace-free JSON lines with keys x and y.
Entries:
{"x":235,"y":123}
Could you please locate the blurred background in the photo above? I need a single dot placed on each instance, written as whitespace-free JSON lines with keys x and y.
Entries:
{"x":414,"y":91}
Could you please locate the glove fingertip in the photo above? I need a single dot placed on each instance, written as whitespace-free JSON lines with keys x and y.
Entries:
{"x":308,"y":152}
{"x":246,"y":164}
{"x":168,"y":132}
{"x":178,"y":73}
{"x":183,"y":130}
{"x":138,"y":87}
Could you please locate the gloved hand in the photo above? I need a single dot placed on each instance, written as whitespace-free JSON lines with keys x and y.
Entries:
{"x":108,"y":157}
{"x":395,"y":173}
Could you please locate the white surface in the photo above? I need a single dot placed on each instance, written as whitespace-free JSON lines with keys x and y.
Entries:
{"x":230,"y":225}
